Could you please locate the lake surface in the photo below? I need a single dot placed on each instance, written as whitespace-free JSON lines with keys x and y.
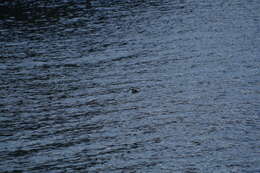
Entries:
{"x":130,"y":86}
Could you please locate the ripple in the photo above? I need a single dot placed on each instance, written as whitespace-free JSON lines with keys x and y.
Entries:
{"x":67,"y":69}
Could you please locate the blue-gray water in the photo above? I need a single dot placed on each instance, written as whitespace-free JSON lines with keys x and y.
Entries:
{"x":67,"y":69}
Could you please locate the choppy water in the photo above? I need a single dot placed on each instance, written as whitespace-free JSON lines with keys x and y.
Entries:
{"x":67,"y":69}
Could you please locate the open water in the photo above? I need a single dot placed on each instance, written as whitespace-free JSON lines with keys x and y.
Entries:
{"x":130,"y":86}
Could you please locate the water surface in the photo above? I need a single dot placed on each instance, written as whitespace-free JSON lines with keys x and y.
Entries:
{"x":67,"y":70}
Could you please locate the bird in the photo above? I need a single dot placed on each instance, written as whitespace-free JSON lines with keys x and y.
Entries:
{"x":134,"y":90}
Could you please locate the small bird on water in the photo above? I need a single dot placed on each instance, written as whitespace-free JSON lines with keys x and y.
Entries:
{"x":134,"y":90}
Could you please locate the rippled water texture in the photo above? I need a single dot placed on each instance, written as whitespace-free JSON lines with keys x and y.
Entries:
{"x":130,"y":86}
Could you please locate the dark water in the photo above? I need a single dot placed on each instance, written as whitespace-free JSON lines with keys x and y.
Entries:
{"x":68,"y":70}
